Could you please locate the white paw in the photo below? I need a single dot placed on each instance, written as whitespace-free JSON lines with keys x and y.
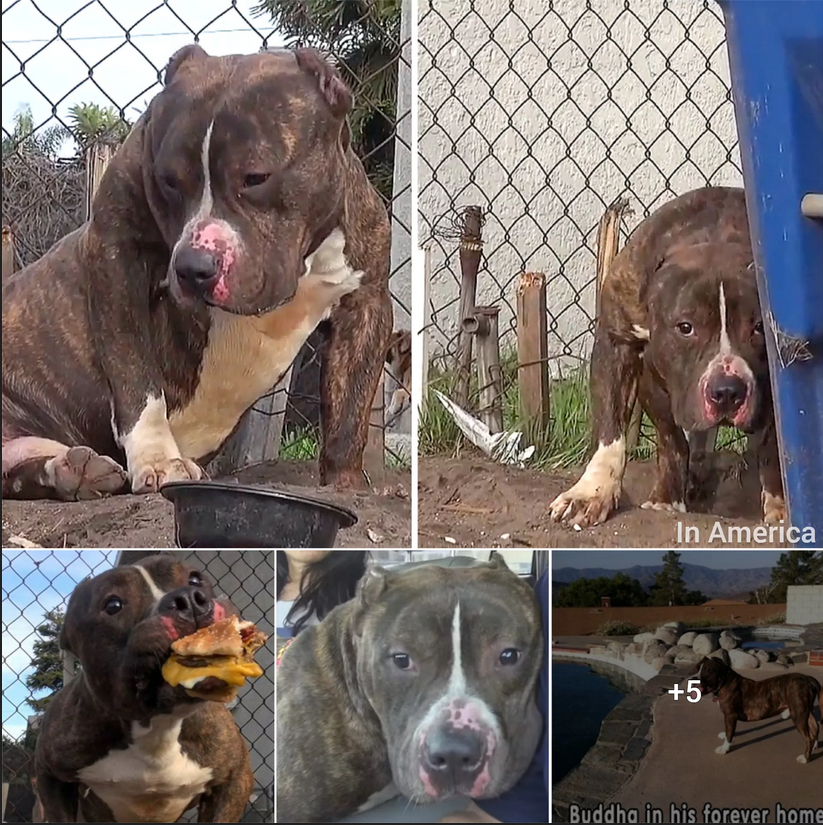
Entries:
{"x":721,"y":735}
{"x":786,"y":714}
{"x":150,"y":477}
{"x":774,"y":508}
{"x":802,"y":759}
{"x":724,"y":748}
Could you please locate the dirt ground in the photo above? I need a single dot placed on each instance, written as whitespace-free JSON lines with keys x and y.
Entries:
{"x":478,"y":503}
{"x":148,"y":521}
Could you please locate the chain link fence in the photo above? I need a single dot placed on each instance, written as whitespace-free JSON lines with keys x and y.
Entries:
{"x":78,"y":74}
{"x":544,"y":113}
{"x":36,"y":589}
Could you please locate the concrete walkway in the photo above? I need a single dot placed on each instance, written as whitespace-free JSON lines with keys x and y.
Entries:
{"x":759,"y":771}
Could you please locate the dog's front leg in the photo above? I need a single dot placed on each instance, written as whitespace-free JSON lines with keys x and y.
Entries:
{"x":614,"y":374}
{"x":59,"y":799}
{"x":227,"y":802}
{"x":727,"y":735}
{"x":771,"y":482}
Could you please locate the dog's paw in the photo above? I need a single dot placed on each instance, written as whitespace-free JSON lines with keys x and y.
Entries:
{"x":802,"y":759}
{"x":724,"y":748}
{"x":787,"y":714}
{"x":149,"y":477}
{"x":722,"y":735}
{"x":80,"y":474}
{"x":774,"y":508}
{"x":664,"y":506}
{"x":585,"y":506}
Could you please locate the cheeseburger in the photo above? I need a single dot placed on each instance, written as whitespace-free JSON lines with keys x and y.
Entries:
{"x":215,"y":662}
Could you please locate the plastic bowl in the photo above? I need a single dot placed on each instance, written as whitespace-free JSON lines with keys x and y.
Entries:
{"x":217,"y":514}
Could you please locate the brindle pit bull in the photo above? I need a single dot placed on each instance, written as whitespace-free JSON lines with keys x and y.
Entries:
{"x":679,"y":323}
{"x":231,"y":222}
{"x":744,"y":700}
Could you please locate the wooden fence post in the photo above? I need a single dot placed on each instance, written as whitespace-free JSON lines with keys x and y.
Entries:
{"x":98,"y":157}
{"x":533,"y":347}
{"x":471,"y":245}
{"x":374,"y":456}
{"x":8,"y":253}
{"x":484,"y":324}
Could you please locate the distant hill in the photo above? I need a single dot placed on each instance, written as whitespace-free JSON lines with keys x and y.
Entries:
{"x":716,"y":584}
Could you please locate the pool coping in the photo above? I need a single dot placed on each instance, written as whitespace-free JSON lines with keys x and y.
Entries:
{"x":625,"y":733}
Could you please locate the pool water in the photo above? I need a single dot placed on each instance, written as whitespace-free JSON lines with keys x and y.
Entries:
{"x":581,"y":700}
{"x":764,"y":644}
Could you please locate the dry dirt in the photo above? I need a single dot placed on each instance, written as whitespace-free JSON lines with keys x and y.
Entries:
{"x":476,"y":502}
{"x":148,"y":521}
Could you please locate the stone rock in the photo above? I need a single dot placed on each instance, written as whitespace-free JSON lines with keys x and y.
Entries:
{"x":728,"y":642}
{"x":634,"y":649}
{"x":785,"y":659}
{"x":675,"y":651}
{"x":740,"y":659}
{"x":616,"y":649}
{"x":642,"y":638}
{"x":666,"y":635}
{"x":721,"y":653}
{"x":688,"y":658}
{"x":687,"y":638}
{"x":705,"y":643}
{"x":659,"y":663}
{"x":678,"y":627}
{"x":763,"y":655}
{"x":654,"y":650}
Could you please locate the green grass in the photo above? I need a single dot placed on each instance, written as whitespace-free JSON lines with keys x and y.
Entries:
{"x":566,"y":441}
{"x":302,"y":444}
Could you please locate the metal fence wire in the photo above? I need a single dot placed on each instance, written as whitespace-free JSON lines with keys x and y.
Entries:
{"x":544,"y":114}
{"x":37,"y":583}
{"x":86,"y":45}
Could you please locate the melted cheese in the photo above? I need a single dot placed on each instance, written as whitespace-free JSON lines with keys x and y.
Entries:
{"x":232,"y":672}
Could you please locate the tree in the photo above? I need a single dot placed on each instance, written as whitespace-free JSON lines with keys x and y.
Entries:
{"x":622,"y":591}
{"x":91,"y":123}
{"x":25,"y":139}
{"x":669,"y":587}
{"x":46,"y":661}
{"x":796,"y":567}
{"x":364,"y":38}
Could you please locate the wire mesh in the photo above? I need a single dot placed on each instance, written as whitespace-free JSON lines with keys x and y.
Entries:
{"x":37,"y":586}
{"x":81,"y":73}
{"x":544,"y":114}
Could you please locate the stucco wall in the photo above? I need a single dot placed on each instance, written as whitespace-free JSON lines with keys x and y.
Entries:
{"x":545,"y":117}
{"x":804,"y":604}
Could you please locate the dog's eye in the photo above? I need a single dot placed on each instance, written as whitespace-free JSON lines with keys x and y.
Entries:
{"x":401,"y":660}
{"x":758,"y":328}
{"x":113,"y":605}
{"x":510,"y":656}
{"x":685,"y":328}
{"x":255,"y":179}
{"x":195,"y":579}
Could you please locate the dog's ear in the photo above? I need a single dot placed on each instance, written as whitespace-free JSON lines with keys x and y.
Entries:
{"x":192,"y":52}
{"x":497,"y":562}
{"x":335,"y":92}
{"x":370,"y":588}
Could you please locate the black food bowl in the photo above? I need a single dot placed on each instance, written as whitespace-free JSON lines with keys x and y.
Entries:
{"x":217,"y":514}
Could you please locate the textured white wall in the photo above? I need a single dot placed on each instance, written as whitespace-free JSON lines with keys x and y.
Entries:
{"x":804,"y":604}
{"x":545,"y":117}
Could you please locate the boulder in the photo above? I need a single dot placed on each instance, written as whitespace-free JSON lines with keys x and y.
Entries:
{"x":666,"y":635}
{"x":678,"y":627}
{"x":740,"y":659}
{"x":687,"y":638}
{"x":654,"y":650}
{"x":642,"y":638}
{"x":721,"y":653}
{"x":616,"y":649}
{"x":730,"y":634}
{"x":705,"y":643}
{"x":785,"y":659}
{"x":659,"y":663}
{"x":634,"y":649}
{"x":689,"y":658}
{"x":674,"y":652}
{"x":763,"y":655}
{"x":728,"y":642}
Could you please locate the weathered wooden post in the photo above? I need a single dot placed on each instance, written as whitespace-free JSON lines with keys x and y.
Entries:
{"x":8,"y":252}
{"x":483,"y":324}
{"x":374,"y":456}
{"x":533,"y":347}
{"x":98,"y":157}
{"x":471,"y":245}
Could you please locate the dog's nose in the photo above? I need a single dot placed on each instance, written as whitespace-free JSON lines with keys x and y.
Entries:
{"x":192,"y":604}
{"x":453,"y":754}
{"x":727,"y":393}
{"x":197,"y":268}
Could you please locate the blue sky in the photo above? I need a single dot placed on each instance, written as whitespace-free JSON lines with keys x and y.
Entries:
{"x":125,"y":77}
{"x":35,"y":581}
{"x":618,"y":559}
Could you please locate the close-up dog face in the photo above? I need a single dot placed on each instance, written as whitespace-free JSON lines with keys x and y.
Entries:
{"x":706,"y":338}
{"x":121,"y":625}
{"x":458,"y":744}
{"x":250,"y":184}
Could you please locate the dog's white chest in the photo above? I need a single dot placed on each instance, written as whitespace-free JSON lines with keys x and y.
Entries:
{"x":240,"y":365}
{"x":150,"y":781}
